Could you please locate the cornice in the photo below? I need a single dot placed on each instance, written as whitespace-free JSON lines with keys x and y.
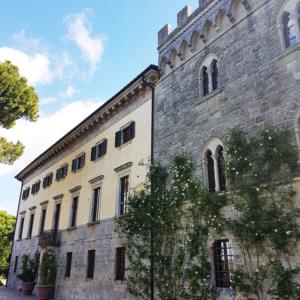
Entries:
{"x":123,"y":98}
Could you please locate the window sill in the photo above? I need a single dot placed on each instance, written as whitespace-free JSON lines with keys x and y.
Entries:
{"x":61,"y":179}
{"x":125,"y":144}
{"x":77,"y":171}
{"x":71,"y":228}
{"x":120,"y":282}
{"x":288,"y":51}
{"x":28,"y":238}
{"x":98,"y":158}
{"x":93,"y":223}
{"x":207,"y":97}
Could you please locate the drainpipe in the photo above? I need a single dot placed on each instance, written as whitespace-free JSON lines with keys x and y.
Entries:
{"x":12,"y":247}
{"x":152,"y":233}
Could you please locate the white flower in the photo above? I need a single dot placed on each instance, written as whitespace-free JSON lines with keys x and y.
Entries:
{"x":270,"y":138}
{"x":275,"y":230}
{"x":257,"y":189}
{"x":288,"y":232}
{"x":237,"y":173}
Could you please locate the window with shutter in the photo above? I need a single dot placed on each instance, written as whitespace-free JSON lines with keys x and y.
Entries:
{"x":95,"y":205}
{"x":118,"y":138}
{"x":43,"y":219}
{"x":74,"y":212}
{"x":123,"y":192}
{"x":21,"y":227}
{"x":93,"y":153}
{"x":29,"y":234}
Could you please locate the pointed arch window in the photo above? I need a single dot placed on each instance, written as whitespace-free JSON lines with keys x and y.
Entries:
{"x":215,"y":75}
{"x":289,"y":30}
{"x":205,"y":81}
{"x":214,"y":164}
{"x":221,"y":172}
{"x":210,"y":172}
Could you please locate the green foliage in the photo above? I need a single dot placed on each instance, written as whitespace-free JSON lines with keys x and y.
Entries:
{"x":10,"y":152}
{"x":29,"y":269}
{"x":17,"y":100}
{"x":186,"y":218}
{"x":260,"y":171}
{"x":47,"y":270}
{"x":182,"y":214}
{"x":7,"y":226}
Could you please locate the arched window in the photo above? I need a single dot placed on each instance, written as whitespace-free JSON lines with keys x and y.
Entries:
{"x":289,"y":30}
{"x":223,"y":263}
{"x":214,"y":75}
{"x":220,"y":160}
{"x":210,"y":172}
{"x":205,"y":81}
{"x":214,"y":166}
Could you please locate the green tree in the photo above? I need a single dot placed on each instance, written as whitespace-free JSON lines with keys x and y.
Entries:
{"x":17,"y":100}
{"x":7,"y":225}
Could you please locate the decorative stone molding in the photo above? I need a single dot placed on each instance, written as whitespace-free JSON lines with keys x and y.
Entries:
{"x":123,"y":167}
{"x":60,"y":196}
{"x":96,"y":179}
{"x":32,"y":208}
{"x":75,"y":189}
{"x":122,"y":99}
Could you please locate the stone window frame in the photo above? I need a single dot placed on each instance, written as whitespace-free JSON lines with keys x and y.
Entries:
{"x":291,"y":8}
{"x":95,"y":183}
{"x":75,"y":192}
{"x":213,"y":263}
{"x":57,"y":200}
{"x":208,"y":64}
{"x":44,"y":206}
{"x":122,"y":171}
{"x":31,"y":226}
{"x":213,"y":146}
{"x":21,"y":225}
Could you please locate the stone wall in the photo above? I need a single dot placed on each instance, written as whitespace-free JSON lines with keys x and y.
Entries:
{"x":99,"y":237}
{"x":260,"y":86}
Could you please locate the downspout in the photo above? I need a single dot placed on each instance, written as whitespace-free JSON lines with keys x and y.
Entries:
{"x":152,"y":233}
{"x":12,"y":246}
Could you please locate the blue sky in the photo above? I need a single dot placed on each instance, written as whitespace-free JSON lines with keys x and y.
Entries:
{"x":76,"y":54}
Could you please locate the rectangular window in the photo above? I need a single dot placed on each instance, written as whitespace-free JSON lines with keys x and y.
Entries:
{"x":95,"y":205}
{"x":74,"y":211}
{"x":56,"y":217}
{"x":99,"y":150}
{"x":47,"y":181}
{"x":120,"y":264}
{"x":31,"y":220}
{"x":62,"y":172}
{"x":125,"y":135}
{"x":78,"y":162}
{"x":25,"y":193}
{"x":16,"y":264}
{"x":21,"y":227}
{"x":68,"y":264}
{"x":43,"y":218}
{"x":35,"y":187}
{"x":90,"y":264}
{"x":223,"y":262}
{"x":123,"y":192}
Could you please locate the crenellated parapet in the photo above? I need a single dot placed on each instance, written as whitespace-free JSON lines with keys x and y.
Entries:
{"x":195,"y":29}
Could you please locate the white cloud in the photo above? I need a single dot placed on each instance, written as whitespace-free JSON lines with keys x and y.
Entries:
{"x":79,"y":31}
{"x":35,"y":67}
{"x":47,"y":101}
{"x":40,"y":135}
{"x":69,"y":92}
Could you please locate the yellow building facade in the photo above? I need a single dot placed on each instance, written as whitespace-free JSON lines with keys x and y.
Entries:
{"x":74,"y":190}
